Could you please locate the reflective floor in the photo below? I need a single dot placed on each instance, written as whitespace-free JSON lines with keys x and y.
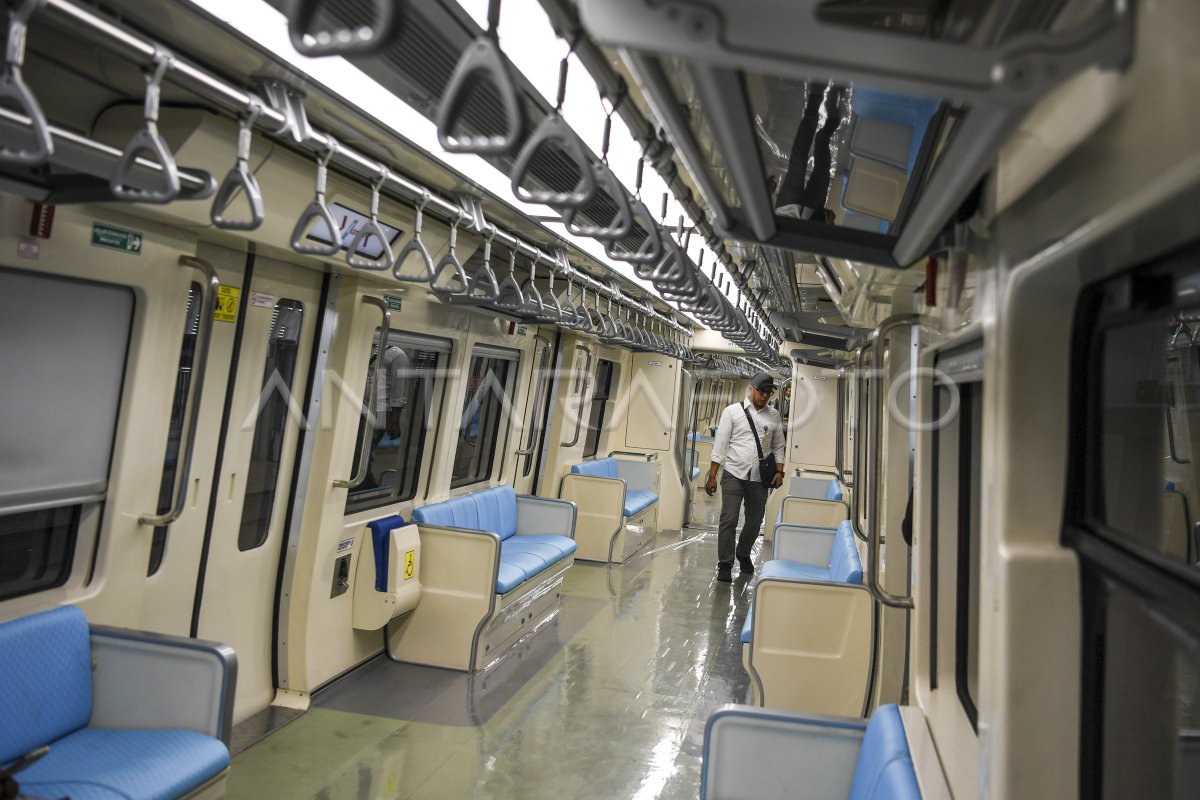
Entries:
{"x":608,"y":700}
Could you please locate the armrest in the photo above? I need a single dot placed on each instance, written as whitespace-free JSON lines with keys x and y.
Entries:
{"x":804,"y":543}
{"x":541,"y":515}
{"x":806,"y":511}
{"x":641,"y":475}
{"x":755,"y":752}
{"x":593,"y":495}
{"x":151,"y":680}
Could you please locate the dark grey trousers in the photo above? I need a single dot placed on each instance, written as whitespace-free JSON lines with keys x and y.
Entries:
{"x":733,"y":493}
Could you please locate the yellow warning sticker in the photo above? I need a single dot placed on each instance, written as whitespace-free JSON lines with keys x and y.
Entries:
{"x":227,"y":304}
{"x":410,"y":564}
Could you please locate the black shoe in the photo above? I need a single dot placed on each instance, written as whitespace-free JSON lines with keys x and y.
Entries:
{"x":746,"y":564}
{"x":724,"y":572}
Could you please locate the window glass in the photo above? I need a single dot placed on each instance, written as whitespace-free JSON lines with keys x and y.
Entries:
{"x":183,"y":382}
{"x":401,"y":420}
{"x":486,"y":405}
{"x":605,"y":372}
{"x":1131,"y":491}
{"x":36,"y":549}
{"x":279,"y":373}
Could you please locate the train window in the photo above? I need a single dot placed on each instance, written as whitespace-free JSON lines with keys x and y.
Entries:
{"x":402,"y":419}
{"x":487,"y":403}
{"x":1136,"y":394}
{"x":606,"y":372}
{"x":63,"y":346}
{"x":36,"y":549}
{"x":955,"y":522}
{"x":278,"y":375}
{"x":183,"y":379}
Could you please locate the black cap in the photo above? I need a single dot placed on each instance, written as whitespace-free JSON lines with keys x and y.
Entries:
{"x":763,"y":382}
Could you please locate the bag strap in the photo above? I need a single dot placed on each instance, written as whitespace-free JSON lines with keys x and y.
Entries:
{"x":757,"y":443}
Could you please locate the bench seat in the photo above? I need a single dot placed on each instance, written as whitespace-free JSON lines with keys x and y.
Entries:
{"x":752,"y":752}
{"x":806,"y":641}
{"x":107,"y":702}
{"x":491,"y":562}
{"x":618,"y":506}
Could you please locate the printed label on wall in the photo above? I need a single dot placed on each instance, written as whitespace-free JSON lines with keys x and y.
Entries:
{"x":344,"y":545}
{"x":116,"y":238}
{"x":410,"y":564}
{"x":262,"y":300}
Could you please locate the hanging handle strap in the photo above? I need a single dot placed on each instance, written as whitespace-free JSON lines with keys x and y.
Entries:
{"x":416,"y":247}
{"x":317,"y":214}
{"x":147,"y":140}
{"x":372,"y":228}
{"x":509,"y":296}
{"x":484,"y":278}
{"x":14,"y":89}
{"x":240,"y":179}
{"x":356,"y":40}
{"x":458,"y":282}
{"x":621,"y":223}
{"x":481,"y":64}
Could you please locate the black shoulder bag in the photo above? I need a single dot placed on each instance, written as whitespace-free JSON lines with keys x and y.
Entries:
{"x":766,"y":464}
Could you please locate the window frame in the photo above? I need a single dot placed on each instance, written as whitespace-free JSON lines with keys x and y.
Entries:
{"x":488,"y":352}
{"x":378,"y":498}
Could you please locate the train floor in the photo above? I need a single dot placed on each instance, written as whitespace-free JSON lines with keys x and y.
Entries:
{"x":608,"y":700}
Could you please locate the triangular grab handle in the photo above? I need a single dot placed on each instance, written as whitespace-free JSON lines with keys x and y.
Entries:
{"x":622,"y":221}
{"x":414,"y":246}
{"x":240,"y":178}
{"x":651,"y":248}
{"x":486,"y":279}
{"x":481,"y":63}
{"x":149,"y":141}
{"x":554,"y":132}
{"x":316,"y":212}
{"x":459,"y":282}
{"x":357,"y":40}
{"x":509,"y":295}
{"x":372,"y":228}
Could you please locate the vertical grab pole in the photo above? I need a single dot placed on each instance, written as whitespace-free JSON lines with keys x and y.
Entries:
{"x":203,"y":337}
{"x":360,"y":469}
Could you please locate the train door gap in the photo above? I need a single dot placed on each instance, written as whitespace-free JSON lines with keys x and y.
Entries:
{"x":544,"y":439}
{"x":226,"y":411}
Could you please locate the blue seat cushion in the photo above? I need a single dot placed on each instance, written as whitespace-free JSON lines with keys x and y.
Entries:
{"x":523,"y":557}
{"x":748,"y":625}
{"x":885,"y":770}
{"x":596,"y":468}
{"x":381,"y":530}
{"x":102,"y":764}
{"x":492,"y":509}
{"x":695,"y":473}
{"x":844,"y":564}
{"x":46,"y":688}
{"x":834,"y":490}
{"x":637,"y":500}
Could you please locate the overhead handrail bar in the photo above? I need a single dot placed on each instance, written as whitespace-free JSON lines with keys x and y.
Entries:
{"x":199,"y":369}
{"x":367,"y":425}
{"x":582,"y":382}
{"x":553,"y":131}
{"x":317,"y":211}
{"x":240,"y":179}
{"x":147,"y":139}
{"x":451,"y":263}
{"x":14,"y":88}
{"x":372,"y":228}
{"x":358,"y":40}
{"x":417,"y":247}
{"x":482,"y":63}
{"x":874,"y":528}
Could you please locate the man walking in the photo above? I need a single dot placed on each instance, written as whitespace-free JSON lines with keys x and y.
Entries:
{"x":735,"y":448}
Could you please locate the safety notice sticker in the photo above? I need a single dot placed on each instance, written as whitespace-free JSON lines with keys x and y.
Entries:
{"x":227,"y":304}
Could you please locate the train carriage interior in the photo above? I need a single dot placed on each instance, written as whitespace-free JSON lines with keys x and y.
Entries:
{"x":377,"y":375}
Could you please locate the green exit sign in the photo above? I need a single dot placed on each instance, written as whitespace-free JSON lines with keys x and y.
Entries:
{"x":116,"y":238}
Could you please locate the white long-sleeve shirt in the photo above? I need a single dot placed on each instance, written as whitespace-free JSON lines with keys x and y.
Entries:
{"x":734,"y":446}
